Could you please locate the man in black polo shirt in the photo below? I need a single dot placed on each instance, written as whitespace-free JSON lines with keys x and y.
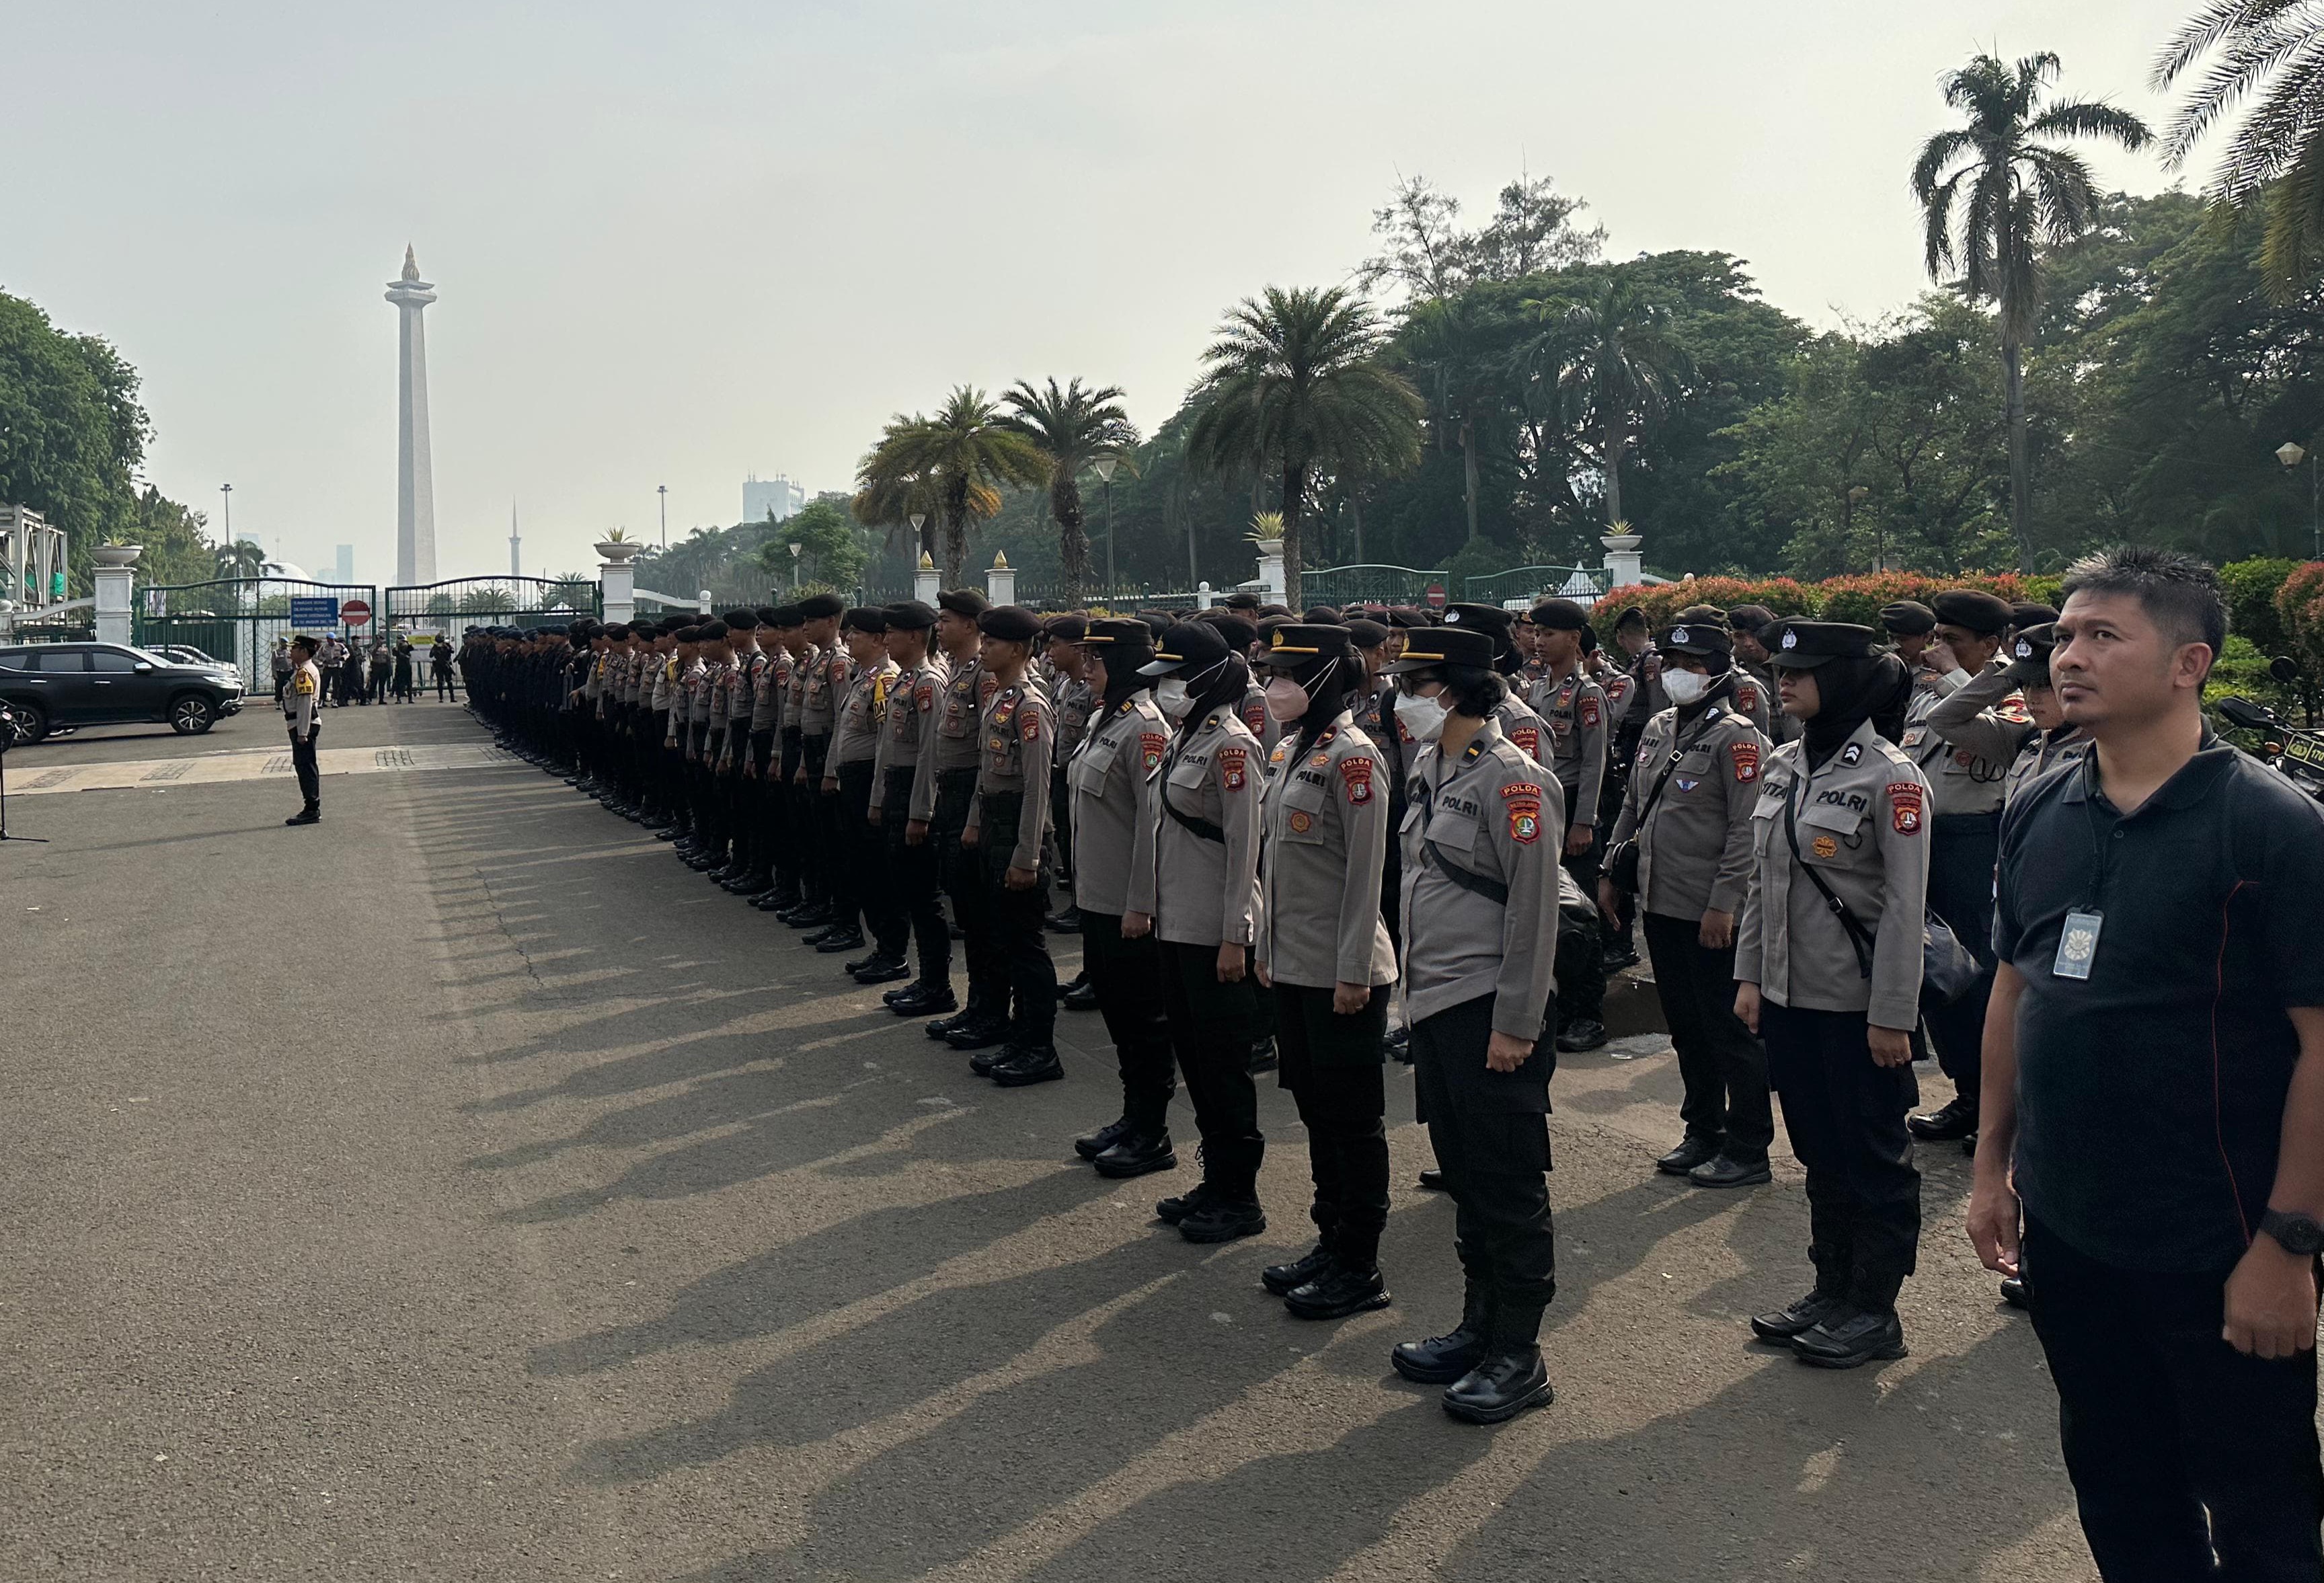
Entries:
{"x":2154,"y":1072}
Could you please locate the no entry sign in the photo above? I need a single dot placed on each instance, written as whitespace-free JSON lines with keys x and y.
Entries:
{"x":354,"y":613}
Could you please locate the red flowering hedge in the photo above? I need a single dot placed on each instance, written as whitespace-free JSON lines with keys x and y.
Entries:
{"x":1856,"y":599}
{"x":2300,"y":605}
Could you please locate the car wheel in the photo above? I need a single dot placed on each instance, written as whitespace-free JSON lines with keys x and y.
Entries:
{"x":191,"y":716}
{"x":32,"y":723}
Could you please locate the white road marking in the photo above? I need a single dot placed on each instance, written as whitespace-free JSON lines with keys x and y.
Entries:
{"x":268,"y":764}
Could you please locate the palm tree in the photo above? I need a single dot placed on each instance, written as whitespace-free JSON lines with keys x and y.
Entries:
{"x":1449,"y":340}
{"x":2277,"y":155}
{"x":1996,"y":192}
{"x":1294,"y":386}
{"x":242,"y":558}
{"x":966,"y":453}
{"x":1624,"y":362}
{"x":1071,"y":428}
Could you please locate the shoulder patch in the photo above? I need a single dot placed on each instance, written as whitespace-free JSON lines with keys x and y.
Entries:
{"x":1521,"y":788}
{"x":1747,"y":696}
{"x":1905,"y":800}
{"x":1589,"y":713}
{"x":1254,"y":715}
{"x":1527,"y":738}
{"x":1030,"y":727}
{"x":1524,"y":811}
{"x":1151,"y":743}
{"x":1232,"y":763}
{"x":1358,"y":775}
{"x":1747,"y":761}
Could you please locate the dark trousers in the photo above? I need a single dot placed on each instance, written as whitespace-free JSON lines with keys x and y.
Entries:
{"x":818,"y":822}
{"x":1962,"y":850}
{"x":302,"y":765}
{"x":1028,"y":979}
{"x":1392,"y":878}
{"x":962,"y":872}
{"x":912,"y":879}
{"x":1332,"y":1065}
{"x":1582,"y":992}
{"x":1846,"y":1118}
{"x":2181,"y":1448}
{"x":1209,"y":1032}
{"x":1127,"y":975}
{"x":1723,"y":1067}
{"x":875,"y":892}
{"x":782,"y":810}
{"x":1061,"y":824}
{"x":758,"y":807}
{"x":1490,"y":1132}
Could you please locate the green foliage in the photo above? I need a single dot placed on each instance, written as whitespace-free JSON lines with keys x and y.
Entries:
{"x":1662,"y":602}
{"x":953,"y":466}
{"x":2250,"y":588}
{"x":1074,"y":429}
{"x":831,"y":548}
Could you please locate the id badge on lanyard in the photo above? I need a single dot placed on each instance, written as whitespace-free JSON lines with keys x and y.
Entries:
{"x":2078,"y":945}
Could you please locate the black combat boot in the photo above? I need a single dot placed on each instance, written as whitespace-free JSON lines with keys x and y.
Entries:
{"x":1692,"y":1150}
{"x":1281,"y":1278}
{"x":1348,"y":1287}
{"x":1442,"y":1359}
{"x":1511,"y":1377}
{"x":1091,"y":1145}
{"x":1022,"y":1065}
{"x":1862,"y":1328}
{"x":1136,"y":1154}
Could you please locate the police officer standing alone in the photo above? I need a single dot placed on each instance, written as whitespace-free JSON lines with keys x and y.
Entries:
{"x":1480,"y":897}
{"x":302,"y":699}
{"x":1828,"y":970}
{"x":1007,"y":824}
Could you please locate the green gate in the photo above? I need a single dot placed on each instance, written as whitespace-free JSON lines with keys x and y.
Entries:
{"x":450,"y":607}
{"x":1372,"y":585}
{"x":238,"y":620}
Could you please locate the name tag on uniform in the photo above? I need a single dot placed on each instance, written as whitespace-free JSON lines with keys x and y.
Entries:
{"x":2078,"y":946}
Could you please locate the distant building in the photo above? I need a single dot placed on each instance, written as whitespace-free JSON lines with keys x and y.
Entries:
{"x":776,"y":495}
{"x":344,"y":569}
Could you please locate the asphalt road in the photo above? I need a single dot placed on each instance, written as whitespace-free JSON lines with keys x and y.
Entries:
{"x":463,"y":1190}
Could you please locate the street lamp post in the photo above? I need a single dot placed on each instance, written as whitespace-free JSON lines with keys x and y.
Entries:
{"x":663,"y":491}
{"x":2291,"y":455}
{"x":919,"y":520}
{"x":796,"y":547}
{"x":1105,"y":467}
{"x":226,"y":502}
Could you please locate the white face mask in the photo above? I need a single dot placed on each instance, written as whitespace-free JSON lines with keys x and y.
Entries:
{"x":1421,"y":718}
{"x":1171,"y":697}
{"x":1287,"y":700}
{"x":1685,"y":686}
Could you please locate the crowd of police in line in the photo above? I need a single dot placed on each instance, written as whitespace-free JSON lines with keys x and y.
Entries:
{"x":1281,"y":829}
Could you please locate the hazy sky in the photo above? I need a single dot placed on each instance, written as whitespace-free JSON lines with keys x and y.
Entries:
{"x":677,"y":243}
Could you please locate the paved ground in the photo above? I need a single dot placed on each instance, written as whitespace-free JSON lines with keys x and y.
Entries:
{"x":463,"y":1190}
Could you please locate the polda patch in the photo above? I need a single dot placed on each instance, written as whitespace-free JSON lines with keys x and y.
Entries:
{"x":1747,"y":761}
{"x":1234,"y":767}
{"x":1358,"y":775}
{"x":1904,"y":801}
{"x":1151,"y":743}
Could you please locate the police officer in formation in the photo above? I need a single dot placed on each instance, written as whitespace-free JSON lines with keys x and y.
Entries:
{"x":1286,"y":832}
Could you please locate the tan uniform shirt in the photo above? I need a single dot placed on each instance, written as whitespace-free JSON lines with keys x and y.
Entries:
{"x":1862,"y":821}
{"x":1694,"y":850}
{"x":1018,"y":736}
{"x":953,"y":742}
{"x":1579,"y":722}
{"x":1961,"y":780}
{"x":1206,"y":891}
{"x":911,"y":700}
{"x":1324,"y":822}
{"x":865,"y":711}
{"x":302,"y":697}
{"x":1111,"y":806}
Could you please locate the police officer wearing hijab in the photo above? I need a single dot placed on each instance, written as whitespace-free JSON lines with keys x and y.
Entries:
{"x":1324,"y":955}
{"x":1481,"y":899}
{"x":1206,"y":886}
{"x":1828,"y":970}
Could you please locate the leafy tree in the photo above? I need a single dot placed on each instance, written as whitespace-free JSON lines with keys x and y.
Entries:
{"x":1994,"y":194}
{"x":1072,"y":429}
{"x":242,"y":558}
{"x":967,"y":452}
{"x":829,"y":546}
{"x":1627,"y":362}
{"x":1294,"y":385}
{"x":486,"y":602}
{"x":1426,"y":254}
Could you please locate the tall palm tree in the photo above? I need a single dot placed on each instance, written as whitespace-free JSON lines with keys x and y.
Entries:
{"x":966,"y":453}
{"x":1294,"y":387}
{"x":888,"y":497}
{"x":1450,"y":341}
{"x":2277,"y":155}
{"x":242,"y":558}
{"x":1623,"y":361}
{"x":1997,"y":191}
{"x":1071,"y":428}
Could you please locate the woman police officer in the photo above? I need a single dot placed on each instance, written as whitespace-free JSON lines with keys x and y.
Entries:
{"x":1482,"y":844}
{"x":1323,"y":952}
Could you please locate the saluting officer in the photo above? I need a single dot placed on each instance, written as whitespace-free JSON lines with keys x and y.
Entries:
{"x":1828,"y":970}
{"x":302,"y":700}
{"x":1982,"y":714}
{"x":1481,"y":899}
{"x":911,"y":864}
{"x":1205,"y":885}
{"x":1008,"y":823}
{"x":1688,"y":808}
{"x":1325,"y":954}
{"x":1112,"y":778}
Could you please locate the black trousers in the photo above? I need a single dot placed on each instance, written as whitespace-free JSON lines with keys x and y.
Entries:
{"x":819,"y":820}
{"x":1846,"y":1118}
{"x":1723,"y":1067}
{"x":782,"y":810}
{"x":1332,"y":1065}
{"x":1392,"y":878}
{"x":2181,"y":1448}
{"x":1209,"y":1032}
{"x":1061,"y":823}
{"x":758,"y":807}
{"x":961,"y":871}
{"x":1581,"y":974}
{"x":1490,"y":1132}
{"x":864,"y":876}
{"x":912,"y":879}
{"x":1127,"y":975}
{"x":850,"y":883}
{"x":302,"y":765}
{"x":1963,"y":848}
{"x":1027,"y":982}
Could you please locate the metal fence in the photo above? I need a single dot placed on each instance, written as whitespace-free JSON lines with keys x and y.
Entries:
{"x":239,"y":620}
{"x":459,"y":603}
{"x":1532,"y":582}
{"x":1372,"y":585}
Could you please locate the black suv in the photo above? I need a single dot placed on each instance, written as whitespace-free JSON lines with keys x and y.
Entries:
{"x":52,"y":684}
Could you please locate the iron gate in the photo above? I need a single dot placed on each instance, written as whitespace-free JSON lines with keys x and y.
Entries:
{"x":239,"y":620}
{"x":450,"y":607}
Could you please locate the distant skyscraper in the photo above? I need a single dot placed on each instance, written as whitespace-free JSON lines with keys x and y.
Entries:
{"x":415,"y":465}
{"x":778,"y":495}
{"x":343,"y":570}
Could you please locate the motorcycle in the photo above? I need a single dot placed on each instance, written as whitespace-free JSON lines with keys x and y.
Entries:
{"x":2287,"y":749}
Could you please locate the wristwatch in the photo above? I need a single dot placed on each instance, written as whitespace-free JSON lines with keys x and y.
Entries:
{"x":2297,"y":1232}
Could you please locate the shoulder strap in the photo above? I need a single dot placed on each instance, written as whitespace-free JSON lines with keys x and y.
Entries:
{"x":1679,"y":750}
{"x":1857,"y":935}
{"x":1475,"y":884}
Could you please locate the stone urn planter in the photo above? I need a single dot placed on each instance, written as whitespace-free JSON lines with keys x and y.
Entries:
{"x":117,"y":554}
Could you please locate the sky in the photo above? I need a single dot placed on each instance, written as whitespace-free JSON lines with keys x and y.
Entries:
{"x":673,"y":246}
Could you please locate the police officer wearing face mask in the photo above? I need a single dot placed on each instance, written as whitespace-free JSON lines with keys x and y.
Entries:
{"x":1324,"y":955}
{"x":1688,"y":808}
{"x":1828,"y":969}
{"x":1206,"y":886}
{"x":1480,"y":900}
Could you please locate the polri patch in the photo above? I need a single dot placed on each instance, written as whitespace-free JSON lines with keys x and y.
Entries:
{"x":1151,"y":743}
{"x":1590,"y":714}
{"x":1232,"y":762}
{"x":1358,"y":775}
{"x":1747,"y":761}
{"x":1029,"y":728}
{"x":1904,"y":799}
{"x":1525,"y":815}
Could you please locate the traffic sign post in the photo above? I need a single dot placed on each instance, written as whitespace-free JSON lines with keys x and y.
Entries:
{"x":308,"y":611}
{"x":354,"y":613}
{"x":1435,"y":596}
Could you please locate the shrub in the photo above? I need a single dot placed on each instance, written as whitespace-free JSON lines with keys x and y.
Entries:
{"x":1858,"y":599}
{"x":1662,"y":602}
{"x":2250,"y":588}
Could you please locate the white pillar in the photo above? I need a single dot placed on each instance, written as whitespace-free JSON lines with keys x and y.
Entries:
{"x":926,"y":582}
{"x":415,"y":464}
{"x":1270,"y":569}
{"x":618,"y":580}
{"x":1203,"y":597}
{"x":1000,"y":581}
{"x":117,"y":591}
{"x":1625,"y":567}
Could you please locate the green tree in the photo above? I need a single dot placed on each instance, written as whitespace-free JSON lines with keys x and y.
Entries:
{"x":71,"y":431}
{"x":967,"y":452}
{"x":2275,"y":158}
{"x":1625,"y":363}
{"x":242,"y":558}
{"x":1072,"y":429}
{"x":1995,"y":193}
{"x":1294,"y":386}
{"x":829,"y":546}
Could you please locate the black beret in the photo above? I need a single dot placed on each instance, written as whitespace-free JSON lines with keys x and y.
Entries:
{"x":867,"y":617}
{"x":1701,"y":615}
{"x":1750,"y":618}
{"x":1560,"y":615}
{"x":1468,"y":646}
{"x":965,"y":601}
{"x":1797,"y":645}
{"x":785,"y":616}
{"x":689,"y":634}
{"x":1238,"y":633}
{"x":909,"y":615}
{"x":1631,"y":616}
{"x":712,"y":631}
{"x":2029,"y":655}
{"x":817,"y":607}
{"x":1275,"y":610}
{"x":1115,"y":635}
{"x":1010,"y":624}
{"x":739,"y":620}
{"x":767,"y":614}
{"x":1407,"y":618}
{"x":1907,"y":617}
{"x":1323,"y":615}
{"x":1292,"y":644}
{"x":1242,"y":600}
{"x":1366,"y":633}
{"x":2026,"y":613}
{"x":616,"y":633}
{"x":1069,"y":628}
{"x":1198,"y":644}
{"x":1701,"y":639}
{"x":1981,"y":613}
